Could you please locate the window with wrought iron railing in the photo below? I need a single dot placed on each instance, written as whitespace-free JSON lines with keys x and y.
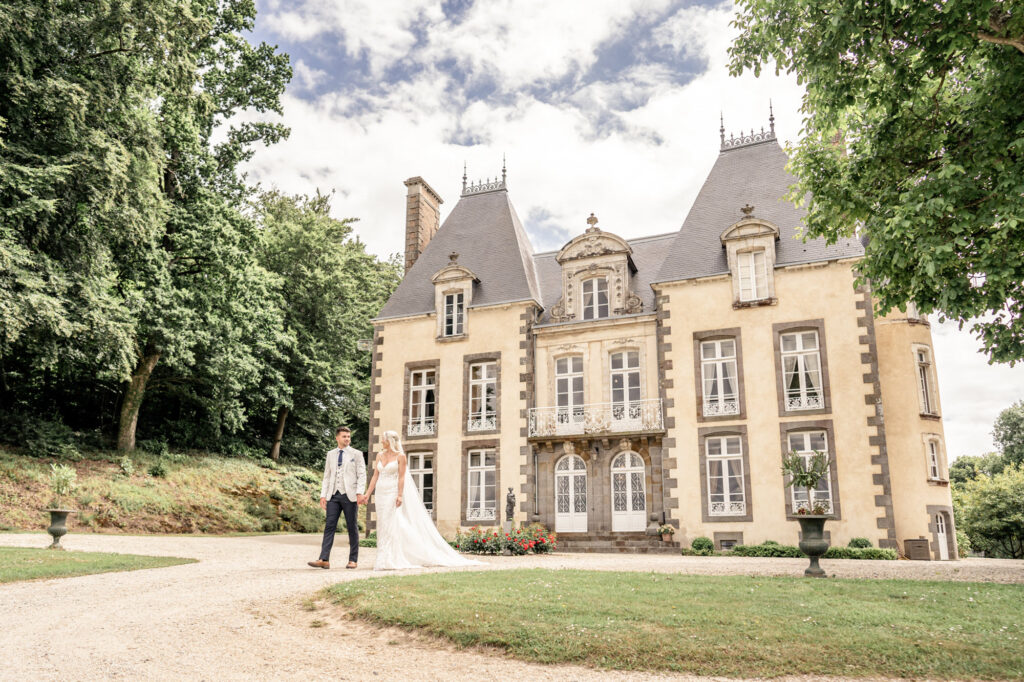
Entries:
{"x":724,"y":461}
{"x":483,"y":389}
{"x":422,"y":402}
{"x":801,"y":371}
{"x":718,"y":374}
{"x":806,"y":444}
{"x":421,"y":468}
{"x":481,"y":486}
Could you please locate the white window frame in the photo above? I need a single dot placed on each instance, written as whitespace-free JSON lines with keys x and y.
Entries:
{"x":483,"y":419}
{"x":802,"y":399}
{"x":476,"y":479}
{"x":422,"y":425}
{"x":807,"y":453}
{"x":731,"y":461}
{"x":717,"y":402}
{"x":935,"y":459}
{"x":628,"y":407}
{"x":454,"y":322}
{"x":421,"y":465}
{"x":569,"y":417}
{"x":596,"y":308}
{"x":925,"y":380}
{"x":753,"y":274}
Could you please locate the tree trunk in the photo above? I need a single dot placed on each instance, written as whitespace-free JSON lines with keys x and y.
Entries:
{"x":275,"y":449}
{"x":133,"y":401}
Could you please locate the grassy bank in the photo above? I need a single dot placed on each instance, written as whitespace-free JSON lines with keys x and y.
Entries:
{"x":19,"y":563}
{"x":732,"y":626}
{"x":170,"y":493}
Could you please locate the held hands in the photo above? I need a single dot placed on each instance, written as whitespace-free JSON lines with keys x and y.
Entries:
{"x":398,"y":501}
{"x":362,"y":499}
{"x":323,"y":503}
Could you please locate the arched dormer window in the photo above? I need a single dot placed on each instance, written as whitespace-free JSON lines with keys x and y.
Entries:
{"x":453,"y":292}
{"x":750,"y":249}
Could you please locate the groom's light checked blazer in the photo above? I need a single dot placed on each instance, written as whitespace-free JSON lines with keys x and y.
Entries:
{"x":352,"y":472}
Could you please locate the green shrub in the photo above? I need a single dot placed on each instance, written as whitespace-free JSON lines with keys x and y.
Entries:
{"x":522,"y":540}
{"x":158,"y":470}
{"x":154,"y":447}
{"x":307,"y":476}
{"x":859,"y":543}
{"x":687,"y":551}
{"x":963,"y":544}
{"x":127,"y":466}
{"x":43,"y":438}
{"x":62,"y":482}
{"x":767,"y":549}
{"x":86,"y":499}
{"x":371,"y":540}
{"x":303,"y":519}
{"x":292,"y":484}
{"x":702,"y":544}
{"x":859,"y":553}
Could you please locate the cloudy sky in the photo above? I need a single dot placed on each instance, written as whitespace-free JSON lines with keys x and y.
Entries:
{"x":610,"y":106}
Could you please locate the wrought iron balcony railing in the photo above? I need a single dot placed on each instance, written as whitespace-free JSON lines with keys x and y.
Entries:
{"x":482,"y":423}
{"x":597,"y":419}
{"x":423,"y":427}
{"x":804,"y":402}
{"x":717,"y":408}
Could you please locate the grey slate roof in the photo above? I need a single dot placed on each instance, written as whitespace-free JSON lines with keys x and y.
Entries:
{"x":756,"y":175}
{"x":490,"y":240}
{"x":648,"y":255}
{"x":486,"y":232}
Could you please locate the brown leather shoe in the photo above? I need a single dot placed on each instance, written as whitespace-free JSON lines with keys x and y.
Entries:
{"x":319,"y":564}
{"x":351,"y":564}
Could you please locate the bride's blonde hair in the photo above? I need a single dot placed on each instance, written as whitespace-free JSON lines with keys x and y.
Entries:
{"x":393,"y":441}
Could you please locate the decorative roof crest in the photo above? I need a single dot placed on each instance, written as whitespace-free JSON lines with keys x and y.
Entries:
{"x":753,"y":137}
{"x":592,"y":222}
{"x":482,"y":186}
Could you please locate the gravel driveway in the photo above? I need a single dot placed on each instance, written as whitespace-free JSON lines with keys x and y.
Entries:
{"x":238,"y":614}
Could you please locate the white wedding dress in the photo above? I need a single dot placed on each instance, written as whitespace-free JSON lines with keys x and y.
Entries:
{"x":406,"y":537}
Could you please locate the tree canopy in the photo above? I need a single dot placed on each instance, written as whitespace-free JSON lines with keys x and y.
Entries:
{"x":913,"y":136}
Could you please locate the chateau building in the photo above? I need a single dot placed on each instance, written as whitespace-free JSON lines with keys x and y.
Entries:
{"x":618,"y":384}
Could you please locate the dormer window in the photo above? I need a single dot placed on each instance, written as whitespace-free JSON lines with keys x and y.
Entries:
{"x":454,"y":314}
{"x":750,"y":250}
{"x":595,"y":298}
{"x":453,"y":293}
{"x":753,"y":275}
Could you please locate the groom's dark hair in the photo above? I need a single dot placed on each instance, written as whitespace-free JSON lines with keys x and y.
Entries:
{"x":341,"y":429}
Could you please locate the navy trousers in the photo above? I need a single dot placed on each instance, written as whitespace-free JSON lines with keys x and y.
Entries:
{"x":338,"y":504}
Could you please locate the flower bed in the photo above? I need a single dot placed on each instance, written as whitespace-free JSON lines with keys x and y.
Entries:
{"x":771,"y":549}
{"x":535,"y":539}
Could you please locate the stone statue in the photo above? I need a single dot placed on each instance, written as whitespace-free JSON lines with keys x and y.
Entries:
{"x":510,"y":505}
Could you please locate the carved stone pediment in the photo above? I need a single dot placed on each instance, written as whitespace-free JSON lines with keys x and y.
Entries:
{"x":591,"y":244}
{"x":453,"y":272}
{"x":750,"y":227}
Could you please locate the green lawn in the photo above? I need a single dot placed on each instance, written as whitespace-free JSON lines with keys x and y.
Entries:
{"x":22,"y":563}
{"x":733,"y":625}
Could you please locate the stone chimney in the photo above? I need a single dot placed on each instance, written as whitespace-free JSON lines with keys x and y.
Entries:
{"x":422,"y":218}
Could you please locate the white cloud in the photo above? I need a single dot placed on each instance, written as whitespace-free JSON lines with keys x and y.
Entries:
{"x":633,"y":148}
{"x":305,"y":77}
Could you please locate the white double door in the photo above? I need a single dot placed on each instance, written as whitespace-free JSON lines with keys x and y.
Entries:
{"x":571,"y":495}
{"x":629,"y":494}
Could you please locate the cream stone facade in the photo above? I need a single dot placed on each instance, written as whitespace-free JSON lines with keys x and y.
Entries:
{"x":616,"y":385}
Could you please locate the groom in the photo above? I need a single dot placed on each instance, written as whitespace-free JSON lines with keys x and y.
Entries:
{"x":343,"y":486}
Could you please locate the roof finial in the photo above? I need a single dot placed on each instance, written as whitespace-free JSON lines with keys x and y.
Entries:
{"x":747,"y":210}
{"x":503,"y":168}
{"x":452,"y":257}
{"x":771,"y":117}
{"x":463,"y":177}
{"x":592,"y":221}
{"x":721,"y":130}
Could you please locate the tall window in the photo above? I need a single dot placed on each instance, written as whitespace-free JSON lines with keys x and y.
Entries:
{"x":725,"y":476}
{"x":483,"y":388}
{"x":805,"y":444}
{"x":595,"y":298}
{"x":454,"y":314}
{"x":626,"y":385}
{"x":934,"y":461}
{"x":481,"y":486}
{"x":421,"y":468}
{"x":753,"y":276}
{"x":926,"y":396}
{"x":569,"y":394}
{"x":801,"y":371}
{"x":422,"y":402}
{"x":718,"y":372}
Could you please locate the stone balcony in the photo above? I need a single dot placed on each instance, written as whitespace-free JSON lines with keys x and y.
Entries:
{"x":597,"y":419}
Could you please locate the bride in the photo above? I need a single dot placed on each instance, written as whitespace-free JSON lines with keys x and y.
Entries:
{"x":406,"y":537}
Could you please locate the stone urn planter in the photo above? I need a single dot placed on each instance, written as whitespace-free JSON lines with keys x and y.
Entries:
{"x":805,"y":472}
{"x":58,"y":526}
{"x":813,"y":542}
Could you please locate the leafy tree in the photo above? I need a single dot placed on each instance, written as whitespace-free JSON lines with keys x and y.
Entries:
{"x":993,"y":513}
{"x":332,"y":288}
{"x":1008,"y":433}
{"x":914,"y":134}
{"x":969,"y":467}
